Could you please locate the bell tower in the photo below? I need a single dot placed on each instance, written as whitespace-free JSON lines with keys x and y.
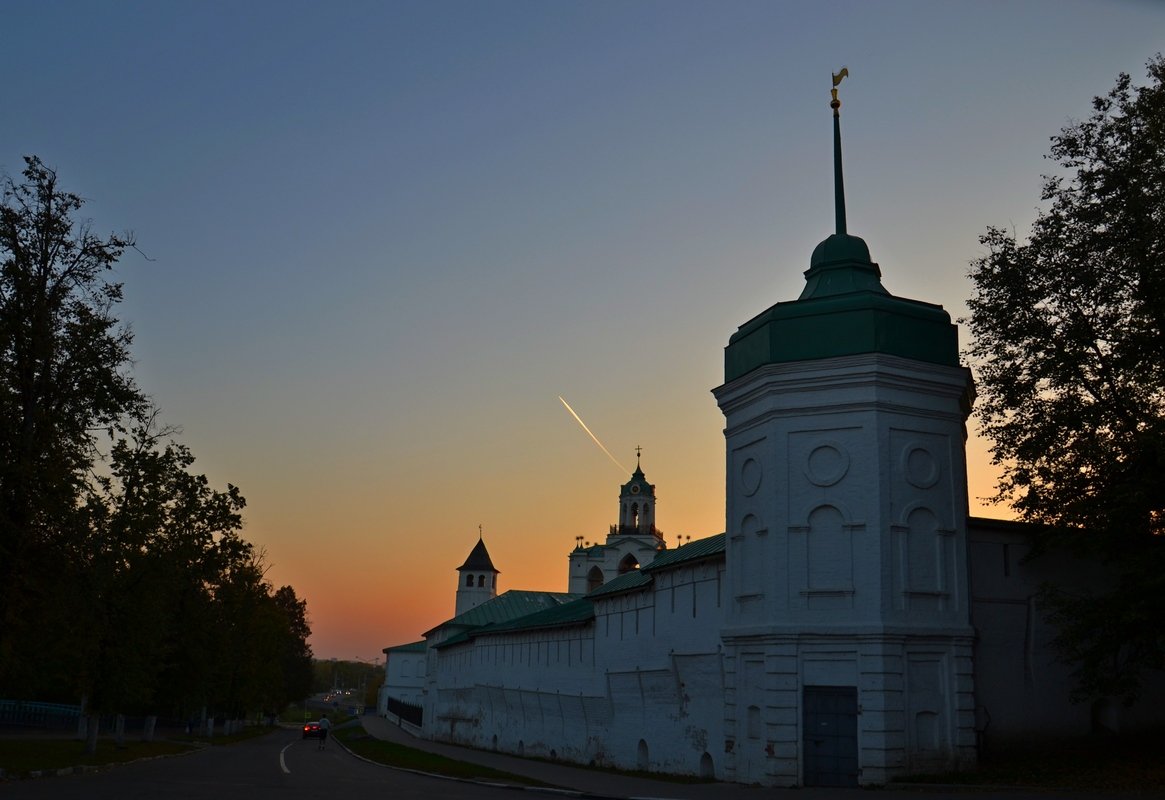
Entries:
{"x":631,"y":542}
{"x":477,"y":578}
{"x":637,"y":504}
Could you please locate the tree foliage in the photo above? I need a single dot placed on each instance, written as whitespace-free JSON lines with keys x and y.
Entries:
{"x":1069,"y":350}
{"x":123,"y":575}
{"x":63,"y":375}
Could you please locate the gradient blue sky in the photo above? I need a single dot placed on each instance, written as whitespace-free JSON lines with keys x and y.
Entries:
{"x":385,"y":236}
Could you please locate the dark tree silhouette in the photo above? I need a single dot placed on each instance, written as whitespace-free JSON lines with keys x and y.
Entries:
{"x":1069,"y":351}
{"x":64,"y":375}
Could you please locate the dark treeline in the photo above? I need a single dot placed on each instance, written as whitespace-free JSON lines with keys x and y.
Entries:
{"x":124,"y":581}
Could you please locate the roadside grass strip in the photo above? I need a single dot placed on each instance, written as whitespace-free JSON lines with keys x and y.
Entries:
{"x":396,"y":755}
{"x":20,"y":758}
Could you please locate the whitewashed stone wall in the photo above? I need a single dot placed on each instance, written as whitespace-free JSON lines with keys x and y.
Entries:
{"x":638,"y":687}
{"x":846,"y":536}
{"x":1022,"y":688}
{"x":404,"y":678}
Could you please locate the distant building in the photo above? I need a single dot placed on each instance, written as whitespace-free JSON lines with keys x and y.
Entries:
{"x":404,"y":675}
{"x":851,"y":624}
{"x":634,"y":539}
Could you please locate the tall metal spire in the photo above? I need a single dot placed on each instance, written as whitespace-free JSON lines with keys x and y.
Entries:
{"x":838,"y":182}
{"x":844,"y":309}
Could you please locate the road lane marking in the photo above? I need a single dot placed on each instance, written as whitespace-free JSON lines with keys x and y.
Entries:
{"x":282,"y":763}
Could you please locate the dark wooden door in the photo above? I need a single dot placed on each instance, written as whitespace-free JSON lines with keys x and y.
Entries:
{"x":830,"y":729}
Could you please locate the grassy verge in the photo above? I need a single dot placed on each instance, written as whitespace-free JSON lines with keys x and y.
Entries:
{"x":397,"y":755}
{"x":1124,"y":763}
{"x":19,"y":757}
{"x":297,"y":714}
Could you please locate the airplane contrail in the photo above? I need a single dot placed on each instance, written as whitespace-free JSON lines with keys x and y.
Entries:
{"x":595,"y":438}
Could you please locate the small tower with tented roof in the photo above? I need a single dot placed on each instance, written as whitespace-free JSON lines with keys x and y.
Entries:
{"x":477,"y":578}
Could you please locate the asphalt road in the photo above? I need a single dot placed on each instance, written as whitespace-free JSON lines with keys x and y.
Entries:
{"x":281,"y":765}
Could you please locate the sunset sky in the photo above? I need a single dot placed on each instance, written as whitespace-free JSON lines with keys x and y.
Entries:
{"x":384,"y":237}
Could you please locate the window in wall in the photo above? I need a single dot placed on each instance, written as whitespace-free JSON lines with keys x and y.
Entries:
{"x":830,"y":551}
{"x":754,"y":722}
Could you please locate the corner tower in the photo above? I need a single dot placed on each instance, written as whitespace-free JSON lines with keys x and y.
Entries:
{"x":477,"y":579}
{"x":846,"y":513}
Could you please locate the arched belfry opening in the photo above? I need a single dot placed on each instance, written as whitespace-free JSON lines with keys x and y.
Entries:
{"x":629,"y":562}
{"x":594,"y":579}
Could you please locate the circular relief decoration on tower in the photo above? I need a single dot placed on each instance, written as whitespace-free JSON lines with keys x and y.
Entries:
{"x":920,"y":467}
{"x":751,"y":474}
{"x":827,"y":464}
{"x":635,"y":488}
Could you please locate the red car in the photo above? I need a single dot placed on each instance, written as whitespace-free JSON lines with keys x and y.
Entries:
{"x":311,"y":730}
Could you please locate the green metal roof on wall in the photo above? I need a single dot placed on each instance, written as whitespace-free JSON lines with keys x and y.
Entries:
{"x":693,"y":551}
{"x":411,"y":647}
{"x":573,"y":613}
{"x":628,"y":581}
{"x":640,"y":578}
{"x":507,"y":606}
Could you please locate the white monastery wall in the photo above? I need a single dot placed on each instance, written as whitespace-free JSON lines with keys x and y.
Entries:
{"x":638,"y":687}
{"x":682,"y":607}
{"x":404,"y":679}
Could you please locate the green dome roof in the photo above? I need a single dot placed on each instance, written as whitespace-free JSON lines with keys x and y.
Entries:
{"x":840,"y":247}
{"x":842,"y":264}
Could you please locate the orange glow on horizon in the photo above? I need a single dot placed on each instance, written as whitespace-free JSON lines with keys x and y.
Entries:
{"x":415,"y":587}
